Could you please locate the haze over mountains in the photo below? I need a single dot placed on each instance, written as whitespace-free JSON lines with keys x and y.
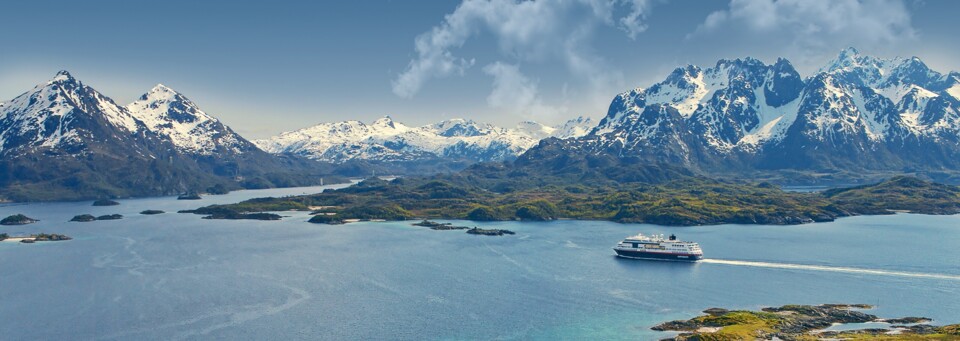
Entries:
{"x":388,"y":140}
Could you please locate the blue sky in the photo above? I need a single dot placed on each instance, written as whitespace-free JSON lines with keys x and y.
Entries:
{"x":274,"y":66}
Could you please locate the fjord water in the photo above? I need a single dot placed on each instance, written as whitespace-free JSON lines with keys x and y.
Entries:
{"x":176,"y":276}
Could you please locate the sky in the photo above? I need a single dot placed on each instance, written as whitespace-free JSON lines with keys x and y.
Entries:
{"x":268,"y":67}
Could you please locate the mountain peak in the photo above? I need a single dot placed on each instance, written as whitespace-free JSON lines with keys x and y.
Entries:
{"x":850,"y":59}
{"x":161,"y":88}
{"x":174,"y":116}
{"x":385,"y":121}
{"x":849,"y":52}
{"x":61,"y":76}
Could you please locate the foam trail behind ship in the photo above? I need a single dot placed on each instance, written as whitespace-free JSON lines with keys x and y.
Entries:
{"x":832,"y":269}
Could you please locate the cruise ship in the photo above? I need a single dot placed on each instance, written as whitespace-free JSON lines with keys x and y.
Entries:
{"x":658,"y":248}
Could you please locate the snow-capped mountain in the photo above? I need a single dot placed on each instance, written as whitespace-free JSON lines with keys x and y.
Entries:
{"x":388,"y":140}
{"x":65,"y":140}
{"x":173,"y":116}
{"x":64,"y":114}
{"x":858,"y":112}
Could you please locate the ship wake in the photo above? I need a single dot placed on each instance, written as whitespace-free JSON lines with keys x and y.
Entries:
{"x":849,"y":270}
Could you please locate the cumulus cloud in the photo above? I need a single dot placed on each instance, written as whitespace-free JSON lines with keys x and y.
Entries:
{"x":811,"y":27}
{"x":527,"y":31}
{"x":513,"y":90}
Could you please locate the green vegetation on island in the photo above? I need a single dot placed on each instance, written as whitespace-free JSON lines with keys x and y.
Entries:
{"x":17,"y":219}
{"x":151,"y":212}
{"x":245,"y":216}
{"x":488,"y":232}
{"x":83,"y":218}
{"x":110,"y":217}
{"x":803,"y":322}
{"x":105,"y":202}
{"x":689,"y":201}
{"x":439,"y":226}
{"x":475,"y":230}
{"x":329,"y":219}
{"x":899,"y":193}
{"x":49,"y":237}
{"x":41,"y":237}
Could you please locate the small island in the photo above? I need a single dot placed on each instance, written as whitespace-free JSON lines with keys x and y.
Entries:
{"x":189,"y":196}
{"x":51,"y":237}
{"x":488,"y":232}
{"x":83,"y":218}
{"x":42,"y":237}
{"x":439,"y":226}
{"x":105,"y":202}
{"x":151,"y":212}
{"x":246,"y":216}
{"x":17,"y":219}
{"x":802,"y":322}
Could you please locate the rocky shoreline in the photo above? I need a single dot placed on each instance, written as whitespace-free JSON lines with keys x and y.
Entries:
{"x":802,"y":322}
{"x":449,"y":227}
{"x":42,"y":237}
{"x":439,"y":226}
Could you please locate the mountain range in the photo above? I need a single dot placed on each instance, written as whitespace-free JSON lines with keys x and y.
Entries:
{"x":65,"y":140}
{"x":856,"y":114}
{"x":391,"y":141}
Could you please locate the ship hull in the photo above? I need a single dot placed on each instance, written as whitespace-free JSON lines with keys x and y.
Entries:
{"x":657,"y":255}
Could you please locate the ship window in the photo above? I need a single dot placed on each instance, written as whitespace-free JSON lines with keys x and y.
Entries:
{"x":634,"y":245}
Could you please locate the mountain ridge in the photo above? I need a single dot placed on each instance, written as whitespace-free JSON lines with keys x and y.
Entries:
{"x":63,"y":140}
{"x":858,"y":113}
{"x":387,"y":140}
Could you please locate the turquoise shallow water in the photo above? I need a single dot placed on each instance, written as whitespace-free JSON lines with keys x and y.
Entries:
{"x":176,"y":276}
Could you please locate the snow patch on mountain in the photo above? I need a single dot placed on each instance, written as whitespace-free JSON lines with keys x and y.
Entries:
{"x":45,"y":115}
{"x":388,"y":140}
{"x":175,"y":117}
{"x":774,"y":122}
{"x":954,"y":91}
{"x":744,"y":109}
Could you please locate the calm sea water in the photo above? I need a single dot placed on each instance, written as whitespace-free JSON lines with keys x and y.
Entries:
{"x":176,"y":276}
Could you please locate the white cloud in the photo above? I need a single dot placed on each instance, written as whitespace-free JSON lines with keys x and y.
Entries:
{"x":808,"y":28}
{"x":528,"y":31}
{"x":512,"y":90}
{"x":634,"y":23}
